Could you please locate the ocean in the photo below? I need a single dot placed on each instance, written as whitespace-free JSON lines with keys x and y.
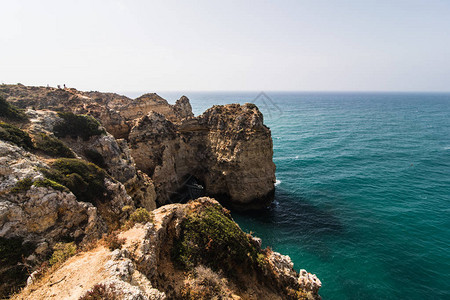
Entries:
{"x":363,"y":189}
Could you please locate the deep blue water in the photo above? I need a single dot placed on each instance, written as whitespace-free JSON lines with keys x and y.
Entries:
{"x":363,"y":199}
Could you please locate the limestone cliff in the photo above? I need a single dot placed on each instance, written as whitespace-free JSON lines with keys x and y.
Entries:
{"x":116,"y":112}
{"x":227,"y":149}
{"x":156,"y":263}
{"x":65,"y":177}
{"x":49,"y":192}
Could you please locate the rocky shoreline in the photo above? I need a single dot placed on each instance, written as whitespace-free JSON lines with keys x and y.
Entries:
{"x":75,"y":166}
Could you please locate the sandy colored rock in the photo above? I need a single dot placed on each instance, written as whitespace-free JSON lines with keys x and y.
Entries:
{"x":228,"y":149}
{"x":143,"y":268}
{"x":116,"y":112}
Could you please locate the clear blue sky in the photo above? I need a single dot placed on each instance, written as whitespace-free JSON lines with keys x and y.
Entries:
{"x":227,"y":45}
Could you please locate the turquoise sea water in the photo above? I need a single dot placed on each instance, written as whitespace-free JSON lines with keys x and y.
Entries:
{"x":363,"y":199}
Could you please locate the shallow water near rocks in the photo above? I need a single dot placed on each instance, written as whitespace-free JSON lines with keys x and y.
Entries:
{"x":363,"y":189}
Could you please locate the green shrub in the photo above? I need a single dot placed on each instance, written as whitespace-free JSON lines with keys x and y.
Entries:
{"x":62,"y":251}
{"x":52,"y":146}
{"x":50,"y":184}
{"x":13,"y":273}
{"x":11,"y":112}
{"x":25,"y":184}
{"x":127,"y":208}
{"x":15,"y":135}
{"x":140,"y":215}
{"x":22,"y":185}
{"x":77,"y":126}
{"x":210,"y":237}
{"x":85,"y":180}
{"x":95,"y":157}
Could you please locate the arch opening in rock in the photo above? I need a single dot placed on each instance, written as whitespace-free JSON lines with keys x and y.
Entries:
{"x":190,"y":188}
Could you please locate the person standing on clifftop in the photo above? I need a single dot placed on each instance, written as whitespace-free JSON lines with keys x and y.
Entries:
{"x":64,"y":86}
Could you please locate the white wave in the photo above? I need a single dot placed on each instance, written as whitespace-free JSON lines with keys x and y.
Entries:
{"x":277,"y":182}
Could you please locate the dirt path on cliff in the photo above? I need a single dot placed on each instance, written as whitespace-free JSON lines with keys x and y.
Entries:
{"x":68,"y":282}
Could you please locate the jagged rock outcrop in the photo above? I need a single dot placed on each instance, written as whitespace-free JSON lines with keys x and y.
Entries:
{"x":148,"y":265}
{"x":227,"y":148}
{"x":39,"y":214}
{"x":116,"y":112}
{"x":39,"y":210}
{"x":158,"y":153}
{"x":241,"y":165}
{"x":104,"y":150}
{"x":183,"y":109}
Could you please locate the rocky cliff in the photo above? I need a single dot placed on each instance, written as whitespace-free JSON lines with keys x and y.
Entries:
{"x":159,"y":260}
{"x":65,"y":178}
{"x":227,"y":150}
{"x":116,"y":112}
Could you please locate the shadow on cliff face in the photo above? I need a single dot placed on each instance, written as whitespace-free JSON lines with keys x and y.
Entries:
{"x":191,"y":188}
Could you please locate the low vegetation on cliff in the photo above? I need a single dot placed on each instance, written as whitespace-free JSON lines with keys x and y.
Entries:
{"x":209,"y":236}
{"x":178,"y":251}
{"x":52,"y":146}
{"x":77,"y":126}
{"x":15,"y":135}
{"x":11,"y":112}
{"x":85,"y":180}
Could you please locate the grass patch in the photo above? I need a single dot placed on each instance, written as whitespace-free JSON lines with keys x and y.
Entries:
{"x":52,"y":146}
{"x":77,"y":126}
{"x":13,"y":273}
{"x":62,"y":251}
{"x":50,"y":184}
{"x":25,"y":184}
{"x":15,"y":135}
{"x":140,"y":215}
{"x":11,"y":112}
{"x":210,"y":237}
{"x":22,"y":186}
{"x":85,"y":180}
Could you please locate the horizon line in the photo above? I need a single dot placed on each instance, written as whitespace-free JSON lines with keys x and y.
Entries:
{"x":246,"y":91}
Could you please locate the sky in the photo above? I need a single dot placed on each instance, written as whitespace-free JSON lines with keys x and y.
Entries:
{"x":229,"y":45}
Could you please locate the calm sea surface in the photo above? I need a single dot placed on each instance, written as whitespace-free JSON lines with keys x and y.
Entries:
{"x":363,"y":189}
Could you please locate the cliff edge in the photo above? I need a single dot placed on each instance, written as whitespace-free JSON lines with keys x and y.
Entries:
{"x":166,"y":259}
{"x":67,"y":183}
{"x":226,"y":152}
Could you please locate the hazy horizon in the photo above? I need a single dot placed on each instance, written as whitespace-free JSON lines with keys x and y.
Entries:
{"x":213,"y":46}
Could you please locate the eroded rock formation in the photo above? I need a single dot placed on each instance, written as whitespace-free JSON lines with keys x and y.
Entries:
{"x":227,"y":148}
{"x":64,"y":177}
{"x":148,"y":265}
{"x":116,"y":112}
